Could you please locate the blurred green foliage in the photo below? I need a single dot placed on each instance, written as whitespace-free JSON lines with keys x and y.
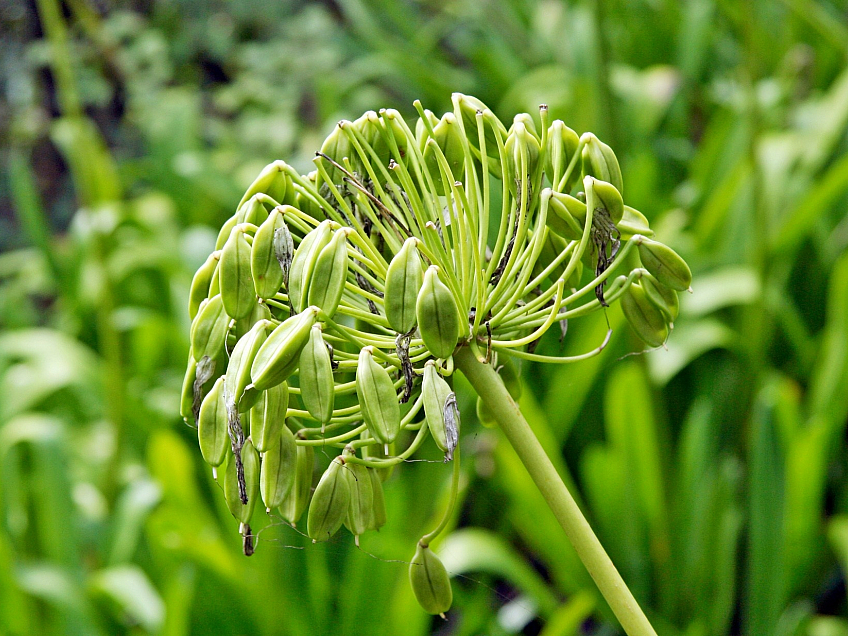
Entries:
{"x":714,"y":472}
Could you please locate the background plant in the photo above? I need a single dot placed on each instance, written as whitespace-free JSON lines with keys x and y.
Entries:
{"x":721,"y":495}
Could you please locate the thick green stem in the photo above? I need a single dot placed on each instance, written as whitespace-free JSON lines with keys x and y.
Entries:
{"x":491,"y":390}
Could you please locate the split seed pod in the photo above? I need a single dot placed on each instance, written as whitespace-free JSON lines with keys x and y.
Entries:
{"x":241,"y":360}
{"x":646,"y":319}
{"x":329,"y":502}
{"x":403,"y":282}
{"x":600,"y":162}
{"x":268,"y":416}
{"x":279,"y":355}
{"x":377,"y":398}
{"x":209,"y":329}
{"x":278,"y":468}
{"x":201,"y":283}
{"x":327,"y":282}
{"x":212,"y":427}
{"x":250,"y":460}
{"x":361,"y":507}
{"x":294,"y":504}
{"x":665,"y":264}
{"x":430,"y":581}
{"x":264,"y":266}
{"x":303,"y":264}
{"x":438,"y":315}
{"x":236,"y":280}
{"x":317,"y":386}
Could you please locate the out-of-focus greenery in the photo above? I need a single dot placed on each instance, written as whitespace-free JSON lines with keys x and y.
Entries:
{"x":714,"y":472}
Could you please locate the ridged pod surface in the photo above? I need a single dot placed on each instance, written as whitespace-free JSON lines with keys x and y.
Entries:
{"x":403,"y":282}
{"x":212,"y":435}
{"x":430,"y":581}
{"x":276,"y":477}
{"x":317,"y":386}
{"x":236,"y":280}
{"x":327,"y":282}
{"x":303,"y":264}
{"x":438,"y":315}
{"x":329,"y":502}
{"x":295,"y":503}
{"x":377,"y":398}
{"x":279,"y":355}
{"x":268,"y":415}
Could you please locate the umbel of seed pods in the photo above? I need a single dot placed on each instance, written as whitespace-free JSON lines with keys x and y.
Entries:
{"x":331,"y":307}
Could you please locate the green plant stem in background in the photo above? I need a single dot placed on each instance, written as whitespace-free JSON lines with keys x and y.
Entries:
{"x":492,"y":391}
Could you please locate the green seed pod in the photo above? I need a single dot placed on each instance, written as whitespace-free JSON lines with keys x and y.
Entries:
{"x":296,"y":501}
{"x":328,"y":278}
{"x":562,"y":143}
{"x":566,"y":216}
{"x":225,"y":231}
{"x":307,"y":205}
{"x":303,"y":264}
{"x":448,"y":138}
{"x":337,"y":146}
{"x":665,"y":264}
{"x":377,"y":398}
{"x":276,"y":477}
{"x":430,"y":581}
{"x":371,"y":129}
{"x":259,"y":312}
{"x":664,"y":298}
{"x":250,"y":459}
{"x":252,"y":211}
{"x":378,"y":511}
{"x":646,"y":319}
{"x":212,"y":431}
{"x":241,"y":360}
{"x":187,"y":394}
{"x":201,"y":283}
{"x":468,"y":108}
{"x":264,"y":266}
{"x":317,"y":386}
{"x":279,"y":355}
{"x":435,"y":392}
{"x":521,"y":141}
{"x":209,"y":329}
{"x":609,"y":198}
{"x":329,"y":502}
{"x":600,"y":162}
{"x":392,"y":129}
{"x":632,"y":223}
{"x":360,"y":510}
{"x":236,"y":281}
{"x":268,"y":416}
{"x":403,"y":282}
{"x":438,"y":315}
{"x":272,"y":181}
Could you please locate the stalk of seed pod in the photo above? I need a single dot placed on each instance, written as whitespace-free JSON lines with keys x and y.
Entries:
{"x":295,"y":503}
{"x":250,"y":460}
{"x":303,"y":264}
{"x":403,"y":282}
{"x":664,"y":298}
{"x":279,"y":355}
{"x":268,"y":416}
{"x":438,"y":315}
{"x":273,"y":181}
{"x":328,"y":278}
{"x":264,"y":266}
{"x":665,"y":264}
{"x":378,"y":511}
{"x":317,"y":386}
{"x":646,"y":319}
{"x":212,"y":435}
{"x":378,"y":451}
{"x":201,"y":283}
{"x":361,"y":506}
{"x":329,"y":502}
{"x":435,"y":392}
{"x":241,"y":360}
{"x":276,"y":477}
{"x":562,"y":143}
{"x":430,"y":581}
{"x":209,"y":329}
{"x":236,"y":280}
{"x":377,"y":398}
{"x":600,"y":162}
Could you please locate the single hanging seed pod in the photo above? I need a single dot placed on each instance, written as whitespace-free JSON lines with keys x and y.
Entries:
{"x":250,"y":459}
{"x":430,"y":581}
{"x":600,"y":162}
{"x":317,"y":386}
{"x":378,"y":512}
{"x":562,"y":143}
{"x":297,"y":500}
{"x":236,"y":281}
{"x":276,"y":477}
{"x":264,"y":266}
{"x":329,"y":503}
{"x":303,"y":264}
{"x":361,"y":506}
{"x":209,"y":329}
{"x":665,"y":264}
{"x":435,"y":392}
{"x":377,"y":398}
{"x":279,"y":355}
{"x":212,"y":427}
{"x":646,"y":319}
{"x":328,"y":278}
{"x":268,"y":416}
{"x":272,"y":181}
{"x":438,"y":315}
{"x":238,"y":370}
{"x":403,"y":282}
{"x":201,"y":283}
